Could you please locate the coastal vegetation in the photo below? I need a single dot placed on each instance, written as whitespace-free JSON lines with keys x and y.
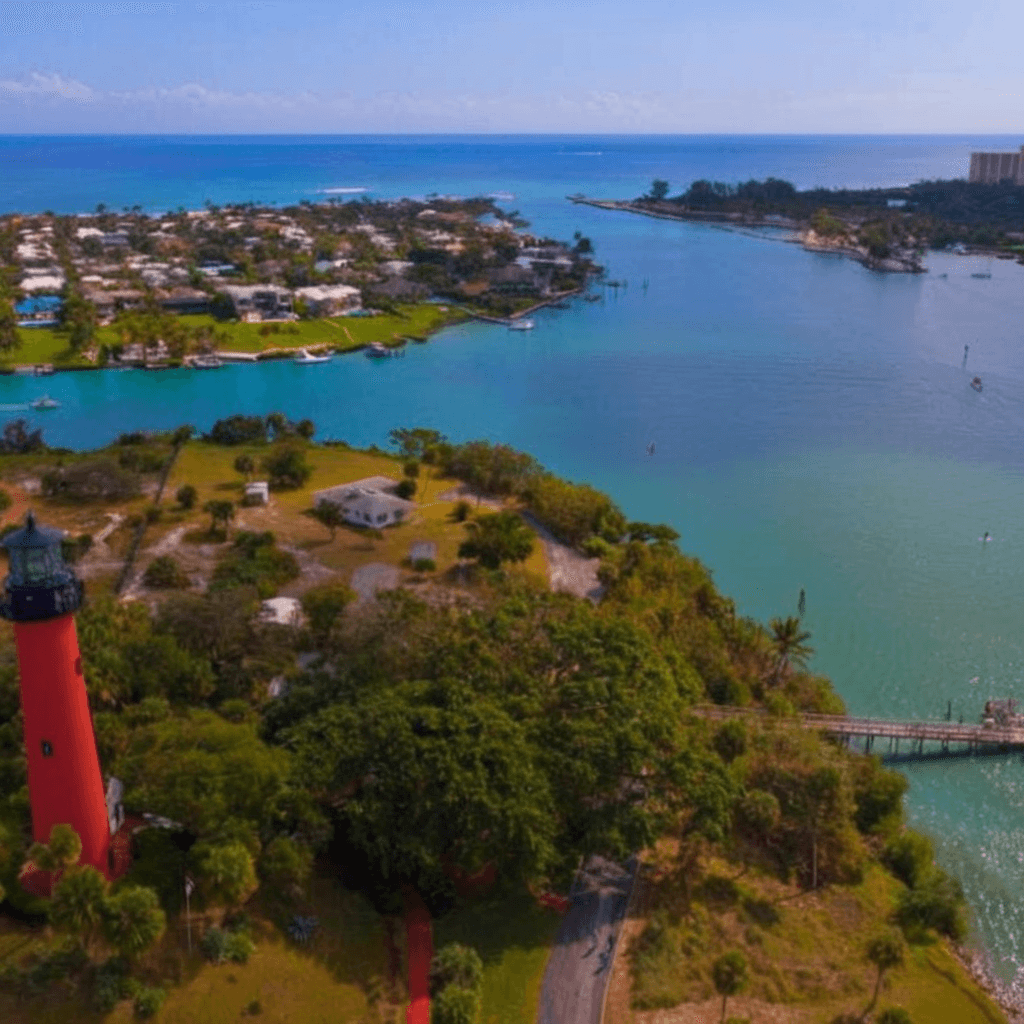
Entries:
{"x":470,"y":725}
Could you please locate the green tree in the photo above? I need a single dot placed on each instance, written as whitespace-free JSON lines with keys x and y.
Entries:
{"x":287,"y":468}
{"x":790,"y":643}
{"x":245,"y":465}
{"x":496,"y":538}
{"x":729,"y":974}
{"x":305,"y":429}
{"x":226,"y":872}
{"x":884,"y":951}
{"x":79,"y":903}
{"x":413,"y":442}
{"x":78,"y":318}
{"x":133,"y":920}
{"x":285,"y":867}
{"x":186,"y":496}
{"x":10,"y":339}
{"x":221,"y":513}
{"x":659,"y":189}
{"x":644,"y":532}
{"x":165,"y":573}
{"x":62,"y":851}
{"x":324,"y":604}
{"x":202,"y":771}
{"x":329,"y":515}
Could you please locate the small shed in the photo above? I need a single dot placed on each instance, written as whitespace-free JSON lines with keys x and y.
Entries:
{"x":257,"y":492}
{"x":422,"y":550}
{"x":281,"y":611}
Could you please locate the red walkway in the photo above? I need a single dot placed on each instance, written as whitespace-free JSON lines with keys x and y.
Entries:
{"x":420,"y":943}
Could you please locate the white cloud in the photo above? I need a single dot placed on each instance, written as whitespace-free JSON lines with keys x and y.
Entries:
{"x":51,"y":86}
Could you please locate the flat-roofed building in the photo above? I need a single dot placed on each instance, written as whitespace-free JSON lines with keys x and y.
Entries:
{"x":992,"y":168}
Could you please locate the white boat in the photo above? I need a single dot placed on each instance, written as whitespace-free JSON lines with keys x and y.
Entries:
{"x":207,"y":363}
{"x":305,"y":359}
{"x":375,"y":350}
{"x":45,"y":402}
{"x":521,"y":325}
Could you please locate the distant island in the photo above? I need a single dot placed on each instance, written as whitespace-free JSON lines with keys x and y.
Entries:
{"x":886,"y":229}
{"x":129,"y":288}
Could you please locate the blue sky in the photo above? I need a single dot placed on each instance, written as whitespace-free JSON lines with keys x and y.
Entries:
{"x":468,"y":66}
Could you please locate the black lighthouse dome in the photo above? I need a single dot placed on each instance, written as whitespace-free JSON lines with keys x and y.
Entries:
{"x":39,"y":584}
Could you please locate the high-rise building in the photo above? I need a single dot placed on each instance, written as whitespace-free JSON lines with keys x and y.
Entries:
{"x":40,"y":596}
{"x":992,"y":168}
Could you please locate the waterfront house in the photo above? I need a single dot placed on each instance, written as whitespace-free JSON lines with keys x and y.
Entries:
{"x":270,"y":301}
{"x":329,"y":299}
{"x":371,"y":502}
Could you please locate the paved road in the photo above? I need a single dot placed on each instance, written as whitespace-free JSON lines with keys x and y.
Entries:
{"x":578,"y":969}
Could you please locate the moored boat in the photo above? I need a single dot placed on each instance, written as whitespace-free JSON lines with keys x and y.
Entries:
{"x":375,"y":350}
{"x":45,"y":402}
{"x":304,"y":358}
{"x":207,"y":363}
{"x":521,"y":325}
{"x":976,"y":383}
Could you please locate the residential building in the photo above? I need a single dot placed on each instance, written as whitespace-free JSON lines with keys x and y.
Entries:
{"x":371,"y":502}
{"x":992,"y":168}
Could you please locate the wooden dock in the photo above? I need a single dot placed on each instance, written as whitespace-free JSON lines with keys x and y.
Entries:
{"x":944,"y":739}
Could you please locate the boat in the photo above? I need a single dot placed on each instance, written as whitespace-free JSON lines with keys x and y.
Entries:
{"x":305,"y":359}
{"x":375,"y":350}
{"x":976,"y":383}
{"x":592,"y":298}
{"x":983,"y":274}
{"x":43,"y":370}
{"x":207,"y":363}
{"x":521,"y":325}
{"x":45,"y":402}
{"x":561,"y":305}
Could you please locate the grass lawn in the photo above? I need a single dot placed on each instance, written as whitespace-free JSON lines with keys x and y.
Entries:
{"x":513,"y":937}
{"x":45,"y":345}
{"x":326,"y":982}
{"x":209,"y":468}
{"x":805,"y":953}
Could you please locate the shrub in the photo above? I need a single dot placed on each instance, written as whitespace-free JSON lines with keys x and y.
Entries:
{"x":5,"y":500}
{"x":153,"y":514}
{"x":461,"y":511}
{"x":424,"y":565}
{"x":285,"y":867}
{"x":455,"y":1006}
{"x":893,"y":1015}
{"x":73,"y":549}
{"x":96,"y":479}
{"x":239,"y":947}
{"x":909,"y":857}
{"x":406,"y":488}
{"x":111,"y":984}
{"x":254,"y":1008}
{"x":148,"y":1001}
{"x":455,"y":965}
{"x":164,"y":573}
{"x":936,"y":902}
{"x":186,"y":496}
{"x":574,"y":512}
{"x":214,"y":945}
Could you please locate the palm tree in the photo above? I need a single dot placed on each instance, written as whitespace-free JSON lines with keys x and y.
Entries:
{"x":790,"y":645}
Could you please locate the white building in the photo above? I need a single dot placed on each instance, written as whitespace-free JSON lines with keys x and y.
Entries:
{"x":329,"y":299}
{"x":371,"y":502}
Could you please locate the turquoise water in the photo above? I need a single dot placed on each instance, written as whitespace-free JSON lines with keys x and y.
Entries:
{"x":813,"y":423}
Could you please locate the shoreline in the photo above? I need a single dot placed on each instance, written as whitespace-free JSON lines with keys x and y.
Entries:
{"x":900,"y":262}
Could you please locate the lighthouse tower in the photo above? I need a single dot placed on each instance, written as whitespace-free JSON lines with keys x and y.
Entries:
{"x":40,"y":596}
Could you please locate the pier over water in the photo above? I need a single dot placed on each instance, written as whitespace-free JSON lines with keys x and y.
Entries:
{"x":921,"y":740}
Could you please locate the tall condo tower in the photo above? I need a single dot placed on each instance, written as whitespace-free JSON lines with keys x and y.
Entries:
{"x":40,"y":596}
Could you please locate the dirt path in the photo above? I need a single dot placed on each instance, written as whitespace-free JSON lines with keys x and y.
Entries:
{"x":568,"y":570}
{"x":578,"y":967}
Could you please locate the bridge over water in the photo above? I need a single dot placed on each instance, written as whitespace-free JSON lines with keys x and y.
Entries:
{"x":922,"y":740}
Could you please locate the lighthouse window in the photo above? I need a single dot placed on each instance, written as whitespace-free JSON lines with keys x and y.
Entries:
{"x":34,"y":566}
{"x":47,"y":748}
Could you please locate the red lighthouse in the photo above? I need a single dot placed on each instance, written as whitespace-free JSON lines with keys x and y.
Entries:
{"x":40,"y":596}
